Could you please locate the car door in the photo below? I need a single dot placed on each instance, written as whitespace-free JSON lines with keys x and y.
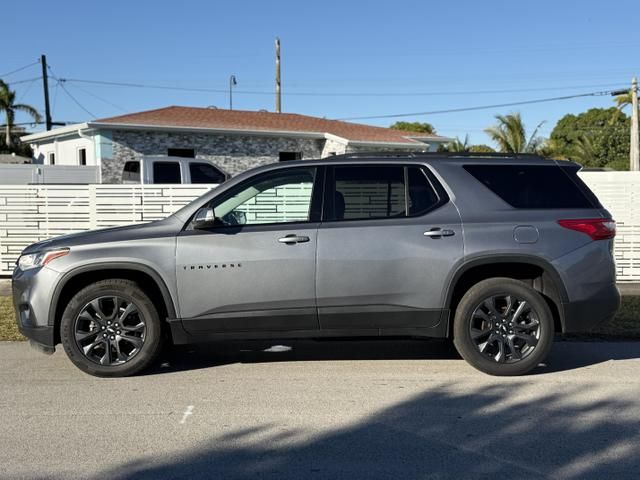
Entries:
{"x":388,"y":241}
{"x":254,"y":270}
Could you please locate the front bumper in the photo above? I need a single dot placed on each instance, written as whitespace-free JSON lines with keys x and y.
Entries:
{"x":32,"y":291}
{"x":599,"y":308}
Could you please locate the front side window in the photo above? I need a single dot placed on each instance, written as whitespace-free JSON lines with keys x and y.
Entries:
{"x":279,"y":197}
{"x":166,"y":172}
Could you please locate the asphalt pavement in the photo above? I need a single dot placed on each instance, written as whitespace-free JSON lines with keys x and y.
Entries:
{"x":323,"y":410}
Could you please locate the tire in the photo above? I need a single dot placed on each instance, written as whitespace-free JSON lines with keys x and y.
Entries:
{"x":519,"y":333}
{"x":93,"y":321}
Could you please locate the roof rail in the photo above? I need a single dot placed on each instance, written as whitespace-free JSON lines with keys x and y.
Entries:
{"x":437,"y":154}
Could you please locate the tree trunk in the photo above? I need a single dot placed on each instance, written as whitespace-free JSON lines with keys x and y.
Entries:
{"x":8,"y":135}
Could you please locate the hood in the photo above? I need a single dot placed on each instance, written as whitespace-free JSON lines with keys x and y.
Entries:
{"x":162,"y":228}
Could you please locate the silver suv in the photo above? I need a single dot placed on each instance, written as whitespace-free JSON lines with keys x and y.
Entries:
{"x":497,"y":252}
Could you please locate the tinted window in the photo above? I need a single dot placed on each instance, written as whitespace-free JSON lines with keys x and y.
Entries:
{"x":422,"y":196}
{"x":82,"y":156}
{"x":536,"y":186}
{"x":286,"y":156}
{"x":166,"y":172}
{"x":131,"y":171}
{"x":205,"y":173}
{"x":364,"y":192}
{"x":280,"y":197}
{"x":181,"y":152}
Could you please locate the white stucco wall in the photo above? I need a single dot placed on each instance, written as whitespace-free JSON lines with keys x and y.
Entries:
{"x":65,"y":149}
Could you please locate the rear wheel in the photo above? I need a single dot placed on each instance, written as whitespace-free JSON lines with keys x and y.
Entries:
{"x":111,"y":329}
{"x":503,"y":327}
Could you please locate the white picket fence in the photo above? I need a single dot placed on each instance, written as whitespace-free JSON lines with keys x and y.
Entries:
{"x":30,"y":213}
{"x":619,"y":192}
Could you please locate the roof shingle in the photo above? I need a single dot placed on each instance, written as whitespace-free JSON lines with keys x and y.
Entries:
{"x":191,"y":117}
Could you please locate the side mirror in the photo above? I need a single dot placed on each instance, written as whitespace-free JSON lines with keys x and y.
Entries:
{"x":204,"y":218}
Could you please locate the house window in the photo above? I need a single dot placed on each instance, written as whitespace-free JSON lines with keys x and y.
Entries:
{"x":82,"y":156}
{"x":181,"y":152}
{"x":286,"y":156}
{"x":52,"y":158}
{"x":131,"y":172}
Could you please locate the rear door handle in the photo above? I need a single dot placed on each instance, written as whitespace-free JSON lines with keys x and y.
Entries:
{"x":437,"y":233}
{"x":293,"y":238}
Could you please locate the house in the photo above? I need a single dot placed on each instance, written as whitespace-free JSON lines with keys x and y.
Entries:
{"x":233,"y":140}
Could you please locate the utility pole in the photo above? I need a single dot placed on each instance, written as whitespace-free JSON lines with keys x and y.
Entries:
{"x":278,"y":91}
{"x":232,"y":83}
{"x":635,"y":134}
{"x":45,"y":84}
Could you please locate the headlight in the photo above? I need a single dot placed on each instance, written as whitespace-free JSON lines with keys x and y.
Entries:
{"x":40,"y":259}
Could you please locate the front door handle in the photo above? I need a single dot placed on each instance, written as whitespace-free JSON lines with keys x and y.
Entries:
{"x":438,"y":233}
{"x":293,"y":238}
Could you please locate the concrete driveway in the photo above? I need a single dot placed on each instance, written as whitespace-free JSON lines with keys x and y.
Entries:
{"x":324,"y":410}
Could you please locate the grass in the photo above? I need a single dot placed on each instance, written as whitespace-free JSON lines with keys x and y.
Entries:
{"x":8,"y":326}
{"x":626,"y":325}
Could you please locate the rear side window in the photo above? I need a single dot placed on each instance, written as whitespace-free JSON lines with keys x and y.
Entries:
{"x":205,"y":173}
{"x":536,"y":186}
{"x":421,"y":195}
{"x":363,"y":192}
{"x":166,"y":172}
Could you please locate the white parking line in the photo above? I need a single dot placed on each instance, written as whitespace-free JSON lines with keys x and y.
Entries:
{"x":187,"y":412}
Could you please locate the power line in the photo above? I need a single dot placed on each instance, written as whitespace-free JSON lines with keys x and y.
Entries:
{"x":108,"y":102}
{"x":337,"y":94}
{"x":480,"y":107}
{"x":26,"y":80}
{"x":20,"y":69}
{"x":26,"y":90}
{"x":61,"y":84}
{"x":75,"y":100}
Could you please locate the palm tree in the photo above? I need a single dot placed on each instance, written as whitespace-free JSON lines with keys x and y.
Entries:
{"x":9,"y":107}
{"x":623,"y":101}
{"x":458,"y":146}
{"x":510,"y":135}
{"x":583,"y":151}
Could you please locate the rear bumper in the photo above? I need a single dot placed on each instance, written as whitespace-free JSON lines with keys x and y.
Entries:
{"x":599,"y":308}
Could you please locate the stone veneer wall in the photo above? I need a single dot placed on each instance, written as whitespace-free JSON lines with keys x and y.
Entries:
{"x":232,"y":153}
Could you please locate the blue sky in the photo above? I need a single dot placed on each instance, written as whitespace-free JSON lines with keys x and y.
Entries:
{"x":448,"y":51}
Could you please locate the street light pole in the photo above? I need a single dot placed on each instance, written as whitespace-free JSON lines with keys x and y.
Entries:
{"x":635,"y":134}
{"x":232,"y":83}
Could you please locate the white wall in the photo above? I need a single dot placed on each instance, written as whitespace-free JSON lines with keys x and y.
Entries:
{"x":65,"y":149}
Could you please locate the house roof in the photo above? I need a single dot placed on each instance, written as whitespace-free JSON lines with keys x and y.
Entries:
{"x":192,"y":118}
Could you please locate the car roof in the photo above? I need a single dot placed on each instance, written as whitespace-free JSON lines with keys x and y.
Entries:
{"x":432,"y":157}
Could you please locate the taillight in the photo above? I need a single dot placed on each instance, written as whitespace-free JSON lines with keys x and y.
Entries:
{"x":596,"y":228}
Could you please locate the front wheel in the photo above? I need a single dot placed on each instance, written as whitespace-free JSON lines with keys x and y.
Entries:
{"x":503,"y":327}
{"x":111,"y":329}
